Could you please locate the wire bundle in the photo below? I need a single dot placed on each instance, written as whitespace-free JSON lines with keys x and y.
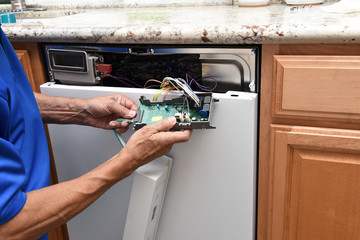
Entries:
{"x":180,"y":84}
{"x":165,"y":90}
{"x":168,"y":84}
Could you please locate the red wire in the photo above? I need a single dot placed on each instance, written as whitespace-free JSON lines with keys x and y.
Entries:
{"x":167,"y":92}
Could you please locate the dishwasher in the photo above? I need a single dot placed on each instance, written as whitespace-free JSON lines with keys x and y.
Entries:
{"x":202,"y":189}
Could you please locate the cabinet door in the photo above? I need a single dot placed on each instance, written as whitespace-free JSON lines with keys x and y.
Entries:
{"x":315,"y":183}
{"x":317,"y":87}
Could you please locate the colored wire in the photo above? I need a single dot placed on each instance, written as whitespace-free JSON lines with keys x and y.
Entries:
{"x":152,"y":80}
{"x":180,"y":83}
{"x":158,"y":93}
{"x":168,"y":84}
{"x":200,"y":86}
{"x":193,"y":93}
{"x":167,"y":92}
{"x":119,"y":138}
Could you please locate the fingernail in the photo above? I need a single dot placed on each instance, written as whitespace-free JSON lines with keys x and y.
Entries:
{"x":172,"y":120}
{"x":112,"y":124}
{"x":132,"y":113}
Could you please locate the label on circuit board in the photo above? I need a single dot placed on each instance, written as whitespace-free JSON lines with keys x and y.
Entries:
{"x":156,"y":119}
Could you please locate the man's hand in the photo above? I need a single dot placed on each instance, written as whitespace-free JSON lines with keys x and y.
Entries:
{"x":97,"y":112}
{"x":151,"y":142}
{"x":102,"y":111}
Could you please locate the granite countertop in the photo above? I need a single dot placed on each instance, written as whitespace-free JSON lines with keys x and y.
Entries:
{"x":276,"y":23}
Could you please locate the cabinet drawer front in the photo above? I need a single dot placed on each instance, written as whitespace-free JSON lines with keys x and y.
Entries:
{"x":317,"y":87}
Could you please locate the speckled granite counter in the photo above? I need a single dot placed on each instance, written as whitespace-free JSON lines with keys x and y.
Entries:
{"x":193,"y":25}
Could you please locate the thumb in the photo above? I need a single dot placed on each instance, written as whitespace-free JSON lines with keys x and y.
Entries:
{"x":123,"y":111}
{"x":164,"y":125}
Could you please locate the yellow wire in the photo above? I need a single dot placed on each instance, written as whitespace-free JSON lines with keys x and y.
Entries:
{"x":158,"y":93}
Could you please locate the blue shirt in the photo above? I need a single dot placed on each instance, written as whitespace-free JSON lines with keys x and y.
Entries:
{"x":24,"y":156}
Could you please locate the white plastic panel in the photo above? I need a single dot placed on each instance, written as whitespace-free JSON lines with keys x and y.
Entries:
{"x":212,"y":186}
{"x":147,"y":195}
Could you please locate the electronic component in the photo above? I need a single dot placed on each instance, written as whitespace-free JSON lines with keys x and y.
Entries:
{"x":105,"y":69}
{"x":203,"y":113}
{"x":178,"y":117}
{"x":77,"y":66}
{"x":206,"y":107}
{"x":207,"y":99}
{"x":181,"y":118}
{"x":187,"y":117}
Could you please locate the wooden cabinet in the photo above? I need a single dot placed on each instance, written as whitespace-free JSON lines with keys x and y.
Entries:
{"x":30,"y":57}
{"x":310,"y":87}
{"x":309,"y":147}
{"x":316,"y":189}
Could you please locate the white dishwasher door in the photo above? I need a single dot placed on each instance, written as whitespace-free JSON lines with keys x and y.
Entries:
{"x":211,"y":192}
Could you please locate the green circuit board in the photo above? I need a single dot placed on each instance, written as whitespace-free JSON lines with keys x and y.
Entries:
{"x":188,"y":115}
{"x":155,"y":113}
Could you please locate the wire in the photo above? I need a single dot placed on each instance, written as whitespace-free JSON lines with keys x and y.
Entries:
{"x":182,"y":80}
{"x":161,"y":91}
{"x":167,"y":92}
{"x":168,"y":84}
{"x":200,"y":86}
{"x":187,"y":104}
{"x":180,"y":83}
{"x":152,"y":80}
{"x":119,"y":138}
{"x":125,"y":81}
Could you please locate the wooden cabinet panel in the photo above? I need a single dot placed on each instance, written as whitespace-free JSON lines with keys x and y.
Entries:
{"x":24,"y":58}
{"x":321,"y":87}
{"x":315,"y":187}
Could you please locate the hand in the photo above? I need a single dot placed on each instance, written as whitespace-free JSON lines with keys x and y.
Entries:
{"x":151,"y":142}
{"x":102,"y":111}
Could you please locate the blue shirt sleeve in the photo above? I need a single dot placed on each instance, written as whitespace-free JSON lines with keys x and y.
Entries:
{"x":12,"y":175}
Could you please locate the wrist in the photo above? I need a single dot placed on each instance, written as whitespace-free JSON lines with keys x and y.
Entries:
{"x":121,"y":166}
{"x":79,"y":109}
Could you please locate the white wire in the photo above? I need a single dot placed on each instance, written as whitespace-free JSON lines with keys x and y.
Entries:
{"x":184,"y":87}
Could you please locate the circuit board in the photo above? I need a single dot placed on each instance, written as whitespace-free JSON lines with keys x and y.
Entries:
{"x":188,"y":116}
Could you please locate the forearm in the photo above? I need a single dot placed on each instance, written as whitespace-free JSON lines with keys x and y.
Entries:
{"x":50,"y":207}
{"x":60,"y":109}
